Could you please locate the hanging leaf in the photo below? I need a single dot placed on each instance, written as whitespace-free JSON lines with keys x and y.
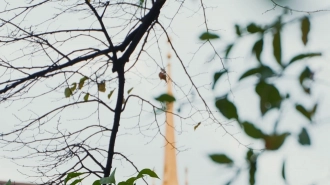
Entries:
{"x":238,"y":30}
{"x":305,"y":27}
{"x":82,"y":81}
{"x":304,"y":137}
{"x":257,"y":48}
{"x":262,"y":72}
{"x":269,"y":96}
{"x":73,"y":87}
{"x":306,"y":74}
{"x":283,"y":170}
{"x":130,"y":181}
{"x":208,"y":36}
{"x":71,"y":175}
{"x":252,"y":131}
{"x":130,"y":90}
{"x":226,"y":108}
{"x":277,"y":47}
{"x":86,"y":97}
{"x":196,"y":126}
{"x":110,"y":93}
{"x":109,"y":180}
{"x":221,"y":159}
{"x":304,"y":112}
{"x":148,"y":172}
{"x":67,"y":92}
{"x":228,"y":49}
{"x":274,"y":142}
{"x":253,"y":28}
{"x":101,"y":86}
{"x":97,"y":182}
{"x":302,"y":56}
{"x":165,"y":98}
{"x":216,"y":77}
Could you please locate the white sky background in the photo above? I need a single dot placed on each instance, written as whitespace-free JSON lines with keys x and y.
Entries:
{"x":305,"y":165}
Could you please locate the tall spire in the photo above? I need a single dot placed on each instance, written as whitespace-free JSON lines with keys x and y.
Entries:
{"x":170,"y":173}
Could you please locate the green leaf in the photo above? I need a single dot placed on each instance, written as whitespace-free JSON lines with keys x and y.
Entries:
{"x":71,"y":176}
{"x":8,"y":183}
{"x":253,"y":28}
{"x":97,"y":182}
{"x":76,"y":181}
{"x":165,"y":98}
{"x":110,"y":93}
{"x":228,"y":49}
{"x":306,"y":74}
{"x":130,"y":90}
{"x":269,"y":96}
{"x":257,"y":48}
{"x":216,"y":76}
{"x":263,"y":72}
{"x":238,"y":30}
{"x":226,"y":108}
{"x":252,"y":131}
{"x":274,"y":142}
{"x":148,"y":172}
{"x":252,"y":172}
{"x":302,"y":56}
{"x":305,"y":27}
{"x":277,"y":47}
{"x":141,"y":2}
{"x":86,"y":97}
{"x":283,"y":170}
{"x":101,"y":87}
{"x":81,"y":82}
{"x":304,"y":137}
{"x":73,"y":87}
{"x":304,"y":112}
{"x":123,"y":183}
{"x":67,"y":92}
{"x":131,"y":180}
{"x":208,"y":36}
{"x":221,"y":159}
{"x":109,"y":180}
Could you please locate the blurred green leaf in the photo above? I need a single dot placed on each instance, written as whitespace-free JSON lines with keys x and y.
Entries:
{"x":283,"y":170}
{"x":67,"y":92}
{"x":221,"y":159}
{"x":123,"y":183}
{"x":269,"y":96}
{"x":277,"y":47}
{"x":228,"y":49}
{"x":101,"y":87}
{"x":8,"y":182}
{"x":305,"y":112}
{"x":263,"y":72}
{"x":148,"y":172}
{"x":253,"y":28}
{"x":196,"y":126}
{"x":226,"y":108}
{"x":71,"y":175}
{"x":74,"y":86}
{"x":97,"y":182}
{"x":257,"y":48}
{"x":252,"y":131}
{"x":130,"y":90}
{"x":238,"y":30}
{"x":306,"y":74}
{"x":216,"y":76}
{"x":110,"y":93}
{"x":130,"y":181}
{"x":141,"y":2}
{"x":86,"y":97}
{"x":305,"y":27}
{"x":81,"y":82}
{"x":302,"y":56}
{"x":165,"y":98}
{"x":208,"y":36}
{"x":76,"y":181}
{"x":109,"y":180}
{"x":274,"y":142}
{"x":304,"y":137}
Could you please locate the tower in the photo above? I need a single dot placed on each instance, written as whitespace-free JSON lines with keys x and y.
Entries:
{"x":170,"y":176}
